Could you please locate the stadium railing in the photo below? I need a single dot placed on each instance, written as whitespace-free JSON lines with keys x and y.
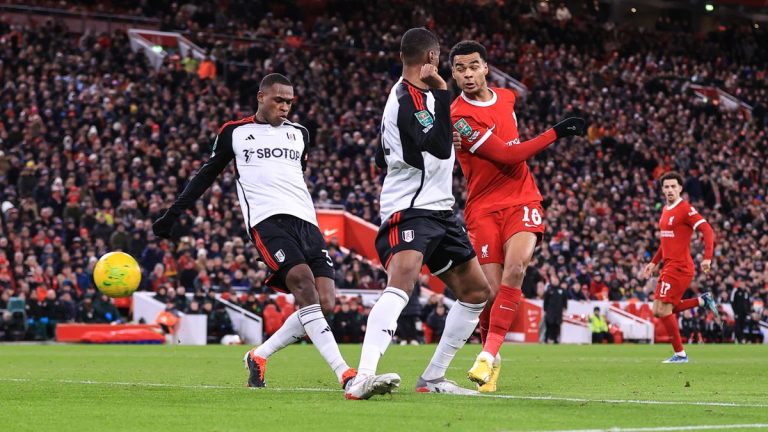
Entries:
{"x":76,"y":21}
{"x":168,"y":42}
{"x":192,"y":329}
{"x":248,"y":325}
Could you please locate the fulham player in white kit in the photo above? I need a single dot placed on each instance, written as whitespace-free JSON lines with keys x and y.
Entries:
{"x":418,"y":225}
{"x":270,"y":155}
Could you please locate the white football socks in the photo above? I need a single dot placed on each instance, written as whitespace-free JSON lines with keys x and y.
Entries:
{"x":320,"y":334}
{"x":382,"y":324}
{"x":459,"y":325}
{"x":291,"y":331}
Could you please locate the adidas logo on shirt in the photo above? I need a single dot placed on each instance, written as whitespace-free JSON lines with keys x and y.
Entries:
{"x":250,"y":137}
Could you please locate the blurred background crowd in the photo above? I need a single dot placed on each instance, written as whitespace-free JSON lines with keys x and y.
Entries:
{"x":95,"y":143}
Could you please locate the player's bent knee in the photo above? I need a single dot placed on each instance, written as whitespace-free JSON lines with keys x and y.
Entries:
{"x":515,"y":271}
{"x":479,"y":294}
{"x":305,"y":295}
{"x":302,"y":286}
{"x":663,"y":310}
{"x":476,"y":297}
{"x":403,"y":272}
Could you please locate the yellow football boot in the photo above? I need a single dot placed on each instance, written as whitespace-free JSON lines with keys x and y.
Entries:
{"x":490,"y":386}
{"x":481,"y":372}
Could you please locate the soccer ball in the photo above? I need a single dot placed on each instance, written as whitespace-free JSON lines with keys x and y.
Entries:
{"x":117,"y":274}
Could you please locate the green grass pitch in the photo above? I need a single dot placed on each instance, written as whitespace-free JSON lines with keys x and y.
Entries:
{"x":542,"y":388}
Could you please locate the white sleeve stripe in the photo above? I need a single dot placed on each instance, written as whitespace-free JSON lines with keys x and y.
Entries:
{"x":698,"y":223}
{"x":482,"y":140}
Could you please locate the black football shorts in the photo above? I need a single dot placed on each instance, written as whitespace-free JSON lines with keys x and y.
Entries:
{"x":284,"y":241}
{"x":435,"y":233}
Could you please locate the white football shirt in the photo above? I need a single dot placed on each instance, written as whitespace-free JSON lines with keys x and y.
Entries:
{"x":269,"y":168}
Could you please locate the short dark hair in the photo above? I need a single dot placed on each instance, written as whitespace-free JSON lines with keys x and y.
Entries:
{"x":415,"y":44}
{"x":272,"y":79}
{"x":467,"y":47}
{"x":672,"y":175}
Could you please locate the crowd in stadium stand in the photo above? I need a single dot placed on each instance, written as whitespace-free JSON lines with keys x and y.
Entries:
{"x":95,"y":143}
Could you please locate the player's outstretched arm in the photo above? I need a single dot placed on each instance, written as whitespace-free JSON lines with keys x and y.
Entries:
{"x":572,"y":126}
{"x":493,"y":148}
{"x":222,"y":154}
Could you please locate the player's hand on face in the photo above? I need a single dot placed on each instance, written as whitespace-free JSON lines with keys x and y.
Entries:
{"x":572,"y":126}
{"x":433,"y":79}
{"x":456,"y":141}
{"x":706,"y":266}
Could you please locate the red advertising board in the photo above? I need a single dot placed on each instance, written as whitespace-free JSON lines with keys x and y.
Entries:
{"x":528,"y":321}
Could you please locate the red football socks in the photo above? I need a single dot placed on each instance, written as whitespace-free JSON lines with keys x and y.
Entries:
{"x":670,"y":324}
{"x":503,"y":314}
{"x":485,"y":320}
{"x":686,"y":304}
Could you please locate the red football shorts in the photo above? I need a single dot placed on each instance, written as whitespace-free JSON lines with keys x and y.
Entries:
{"x":671,"y":286}
{"x":490,"y":231}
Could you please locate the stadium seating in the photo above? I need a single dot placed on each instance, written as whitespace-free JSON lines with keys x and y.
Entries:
{"x":645,"y":312}
{"x":273,"y":319}
{"x":632,"y":308}
{"x":89,"y":144}
{"x":287,"y":310}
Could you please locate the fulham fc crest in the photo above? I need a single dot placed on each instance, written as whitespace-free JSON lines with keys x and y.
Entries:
{"x":408,"y":236}
{"x":280,"y":256}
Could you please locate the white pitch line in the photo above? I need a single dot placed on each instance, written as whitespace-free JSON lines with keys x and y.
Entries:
{"x":118,"y":383}
{"x":625,"y":401}
{"x":673,"y":428}
{"x":329,"y":390}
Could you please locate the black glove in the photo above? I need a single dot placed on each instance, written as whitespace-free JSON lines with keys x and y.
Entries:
{"x":163,"y":224}
{"x":572,"y":126}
